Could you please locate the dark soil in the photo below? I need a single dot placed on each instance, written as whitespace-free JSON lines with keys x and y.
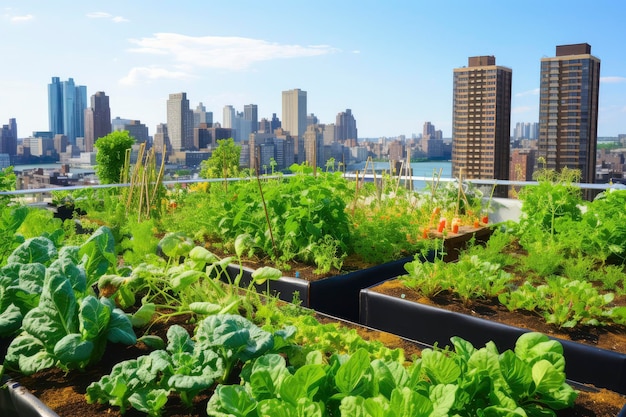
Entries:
{"x":64,"y":392}
{"x":605,"y":337}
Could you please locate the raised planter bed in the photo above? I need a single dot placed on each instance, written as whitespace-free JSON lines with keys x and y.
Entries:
{"x":434,"y":325}
{"x":15,"y":400}
{"x":337,"y":295}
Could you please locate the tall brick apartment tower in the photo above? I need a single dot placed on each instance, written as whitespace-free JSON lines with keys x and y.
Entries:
{"x":568,"y":110}
{"x":481,"y":120}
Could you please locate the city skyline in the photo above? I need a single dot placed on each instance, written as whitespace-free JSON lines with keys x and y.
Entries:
{"x":390,"y":63}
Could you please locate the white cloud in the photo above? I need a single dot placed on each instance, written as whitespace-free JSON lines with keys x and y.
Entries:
{"x":228,"y":52}
{"x":612,"y":80}
{"x":99,"y":15}
{"x":20,"y":19}
{"x":105,"y":15}
{"x":141,"y":74}
{"x":532,"y":92}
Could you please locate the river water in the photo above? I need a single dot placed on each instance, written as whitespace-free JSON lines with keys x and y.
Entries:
{"x":428,"y":169}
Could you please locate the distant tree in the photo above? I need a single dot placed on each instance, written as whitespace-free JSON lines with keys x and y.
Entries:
{"x":224,"y":161}
{"x":7,"y":183}
{"x":111,"y":154}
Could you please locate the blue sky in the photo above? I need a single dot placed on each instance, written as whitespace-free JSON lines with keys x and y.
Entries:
{"x":390,"y":62}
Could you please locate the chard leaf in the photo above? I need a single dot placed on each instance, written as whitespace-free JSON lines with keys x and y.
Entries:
{"x":205,"y":308}
{"x":276,"y":408}
{"x":72,"y":349}
{"x":179,"y":340}
{"x":354,"y":376}
{"x":562,"y":398}
{"x":440,"y":367}
{"x":389,"y":375}
{"x":233,"y":332}
{"x":232,"y":400}
{"x":303,"y":384}
{"x":143,"y":315}
{"x":93,"y":317}
{"x":202,"y":256}
{"x":70,"y":270}
{"x":182,"y":280}
{"x":98,"y":254}
{"x":484,"y":362}
{"x":352,"y":406}
{"x":176,"y":245}
{"x":546,"y":377}
{"x":462,"y":347}
{"x":532,"y":346}
{"x":442,"y":398}
{"x":405,"y":402}
{"x":242,"y":242}
{"x":34,"y":250}
{"x":28,"y":354}
{"x":190,"y":382}
{"x":150,"y":366}
{"x":266,"y":273}
{"x":152,"y":341}
{"x":120,"y":328}
{"x":31,"y":278}
{"x":267,"y":375}
{"x":10,"y":320}
{"x":517,"y":374}
{"x":149,"y":401}
{"x":55,"y":316}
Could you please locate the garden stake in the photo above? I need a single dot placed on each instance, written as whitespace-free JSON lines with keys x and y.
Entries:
{"x":267,"y":217}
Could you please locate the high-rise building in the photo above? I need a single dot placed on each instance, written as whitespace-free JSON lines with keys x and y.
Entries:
{"x":66,"y":106}
{"x":314,"y":146}
{"x":137,"y":131}
{"x":568,"y":110}
{"x":251,"y":115}
{"x":294,"y":112}
{"x":97,"y":120}
{"x":8,"y":138}
{"x":228,"y":120}
{"x":179,"y":122}
{"x":345,"y":127}
{"x":429,"y":131}
{"x":200,"y":115}
{"x":275,"y":123}
{"x":481,"y":120}
{"x":162,"y":141}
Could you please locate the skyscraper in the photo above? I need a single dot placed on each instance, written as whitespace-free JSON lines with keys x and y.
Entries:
{"x":481,"y":120}
{"x":179,"y":122}
{"x":228,"y":119}
{"x":251,"y":114}
{"x":345,"y":127}
{"x":8,"y":138}
{"x":66,"y":107}
{"x":200,"y":115}
{"x":568,"y":110}
{"x":294,"y":112}
{"x":97,"y":120}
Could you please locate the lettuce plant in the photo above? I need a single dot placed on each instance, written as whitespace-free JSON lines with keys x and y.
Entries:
{"x":529,"y":381}
{"x":62,"y":323}
{"x":186,"y":367}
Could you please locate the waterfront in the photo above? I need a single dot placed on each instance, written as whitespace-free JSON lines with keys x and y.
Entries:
{"x":427,"y":169}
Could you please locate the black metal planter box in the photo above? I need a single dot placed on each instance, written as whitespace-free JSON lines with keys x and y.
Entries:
{"x":17,"y":401}
{"x":432,"y":325}
{"x":337,"y":296}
